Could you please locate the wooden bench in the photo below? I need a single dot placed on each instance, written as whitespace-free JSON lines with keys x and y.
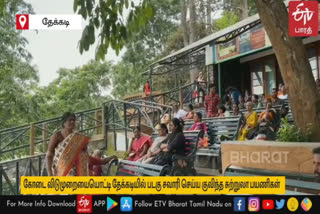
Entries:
{"x":295,"y":183}
{"x":132,"y":168}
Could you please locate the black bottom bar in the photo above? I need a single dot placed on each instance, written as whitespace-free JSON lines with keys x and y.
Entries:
{"x":152,"y":203}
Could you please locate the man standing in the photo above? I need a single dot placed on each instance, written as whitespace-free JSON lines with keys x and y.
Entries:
{"x":316,"y":163}
{"x":211,"y":102}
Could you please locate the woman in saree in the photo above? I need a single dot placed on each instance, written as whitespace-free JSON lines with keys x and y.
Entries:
{"x":251,"y":121}
{"x":139,"y":145}
{"x":155,"y":147}
{"x":267,"y":123}
{"x":67,"y":153}
{"x":199,"y":125}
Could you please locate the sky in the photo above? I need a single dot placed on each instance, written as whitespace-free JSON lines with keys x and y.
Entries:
{"x":52,"y":50}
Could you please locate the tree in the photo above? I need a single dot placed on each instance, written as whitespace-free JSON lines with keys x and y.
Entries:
{"x":240,"y":8}
{"x":110,"y":20}
{"x":244,"y":10}
{"x":294,"y":66}
{"x":183,"y":22}
{"x":227,"y":19}
{"x":76,"y":89}
{"x":17,"y":77}
{"x":192,"y":22}
{"x":145,"y":47}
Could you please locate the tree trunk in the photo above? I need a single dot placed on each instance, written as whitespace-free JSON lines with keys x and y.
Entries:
{"x":192,"y":22}
{"x":294,"y":65}
{"x":208,"y":7}
{"x":202,"y":12}
{"x":244,"y":9}
{"x":193,"y":36}
{"x":183,"y":23}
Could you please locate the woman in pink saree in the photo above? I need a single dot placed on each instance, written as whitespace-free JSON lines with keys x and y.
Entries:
{"x":139,"y":145}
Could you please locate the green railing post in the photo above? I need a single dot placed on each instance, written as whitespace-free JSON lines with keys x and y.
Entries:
{"x":17,"y":177}
{"x":1,"y":179}
{"x":104,"y":127}
{"x":32,"y":139}
{"x":219,"y":79}
{"x":114,"y":129}
{"x":125,"y":124}
{"x":44,"y":137}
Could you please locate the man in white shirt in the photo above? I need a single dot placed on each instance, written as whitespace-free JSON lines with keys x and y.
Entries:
{"x":179,"y":113}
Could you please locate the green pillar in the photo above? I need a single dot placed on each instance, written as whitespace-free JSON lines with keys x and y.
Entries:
{"x":219,"y":79}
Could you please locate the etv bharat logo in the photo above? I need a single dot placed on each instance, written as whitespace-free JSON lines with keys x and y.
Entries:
{"x":84,"y":204}
{"x":303,"y":18}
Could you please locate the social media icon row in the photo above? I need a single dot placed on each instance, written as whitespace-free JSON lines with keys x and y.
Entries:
{"x":239,"y":204}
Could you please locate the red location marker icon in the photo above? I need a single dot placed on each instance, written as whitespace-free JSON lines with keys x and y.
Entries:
{"x":22,"y":21}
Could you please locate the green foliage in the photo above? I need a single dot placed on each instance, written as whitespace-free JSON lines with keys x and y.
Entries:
{"x":17,"y":77}
{"x":109,"y":19}
{"x":290,"y":133}
{"x":233,"y":6}
{"x":227,"y":19}
{"x":145,"y":47}
{"x":76,"y":89}
{"x":127,"y":79}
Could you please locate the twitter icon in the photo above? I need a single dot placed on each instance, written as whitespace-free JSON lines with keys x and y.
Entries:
{"x":280,"y":204}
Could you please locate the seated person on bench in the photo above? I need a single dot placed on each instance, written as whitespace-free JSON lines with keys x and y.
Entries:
{"x":190,"y":114}
{"x":198,"y":125}
{"x":139,"y":145}
{"x":251,"y":120}
{"x":174,"y":144}
{"x":155,"y":147}
{"x":266,"y":126}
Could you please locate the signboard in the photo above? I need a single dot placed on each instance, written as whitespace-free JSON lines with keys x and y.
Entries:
{"x":277,"y":156}
{"x":251,"y":40}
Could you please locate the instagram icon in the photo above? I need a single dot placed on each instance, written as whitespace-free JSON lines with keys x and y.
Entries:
{"x":254,"y":204}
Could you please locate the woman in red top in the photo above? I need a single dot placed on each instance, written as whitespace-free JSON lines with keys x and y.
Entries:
{"x":147,"y":88}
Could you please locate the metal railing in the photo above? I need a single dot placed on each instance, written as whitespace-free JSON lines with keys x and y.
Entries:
{"x":182,"y":95}
{"x":10,"y":172}
{"x":34,"y":138}
{"x":123,"y":115}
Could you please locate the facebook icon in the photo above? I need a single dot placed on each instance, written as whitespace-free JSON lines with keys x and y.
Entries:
{"x":239,"y":204}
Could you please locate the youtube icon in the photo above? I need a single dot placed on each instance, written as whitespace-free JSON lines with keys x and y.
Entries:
{"x":268,"y":204}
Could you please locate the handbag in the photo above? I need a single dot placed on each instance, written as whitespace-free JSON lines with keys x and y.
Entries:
{"x":252,"y":132}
